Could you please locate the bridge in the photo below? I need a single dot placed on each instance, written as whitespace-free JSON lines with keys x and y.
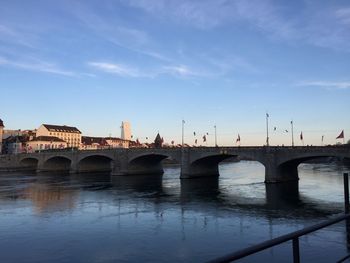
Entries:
{"x":281,"y":163}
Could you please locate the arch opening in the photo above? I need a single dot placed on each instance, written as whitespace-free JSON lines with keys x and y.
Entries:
{"x":207,"y":166}
{"x":57,"y":163}
{"x":289,"y":170}
{"x":29,"y":164}
{"x":150,"y":164}
{"x":95,"y":163}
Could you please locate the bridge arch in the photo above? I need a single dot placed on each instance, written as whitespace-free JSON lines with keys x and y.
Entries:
{"x":56,"y":163}
{"x":205,"y":165}
{"x":150,"y":163}
{"x":95,"y":163}
{"x":29,"y":163}
{"x":288,"y":169}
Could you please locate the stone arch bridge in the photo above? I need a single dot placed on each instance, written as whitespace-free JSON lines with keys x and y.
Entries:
{"x":280,"y":163}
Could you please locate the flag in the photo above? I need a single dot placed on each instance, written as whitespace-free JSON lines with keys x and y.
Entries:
{"x":207,"y":133}
{"x":286,"y":130}
{"x":204,"y":138}
{"x":341,"y":135}
{"x":195,"y":141}
{"x":146,"y":138}
{"x":183,"y":121}
{"x":194,"y":133}
{"x":172,"y":142}
{"x":301,"y":136}
{"x":238,"y":139}
{"x":274,"y":128}
{"x":267,"y":115}
{"x":322,"y":137}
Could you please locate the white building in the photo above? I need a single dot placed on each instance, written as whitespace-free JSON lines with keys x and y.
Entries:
{"x":126,"y":131}
{"x":41,"y":143}
{"x":71,"y":135}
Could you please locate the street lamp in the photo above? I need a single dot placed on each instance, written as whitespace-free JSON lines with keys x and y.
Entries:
{"x":216,"y":139}
{"x":183,"y":131}
{"x":267,"y":129}
{"x":291,"y":123}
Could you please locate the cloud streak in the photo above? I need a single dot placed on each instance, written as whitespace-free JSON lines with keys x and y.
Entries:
{"x":117,"y":69}
{"x":38,"y":66}
{"x":341,"y":85}
{"x":317,"y":25}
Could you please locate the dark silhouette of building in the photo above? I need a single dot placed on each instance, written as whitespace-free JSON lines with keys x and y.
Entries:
{"x":158,"y":142}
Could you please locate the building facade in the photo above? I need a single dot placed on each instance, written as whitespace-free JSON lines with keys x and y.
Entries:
{"x":42,"y":143}
{"x":94,"y":143}
{"x":71,"y":135}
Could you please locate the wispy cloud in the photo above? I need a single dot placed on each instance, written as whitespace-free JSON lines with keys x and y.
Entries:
{"x":37,"y":65}
{"x":123,"y":70}
{"x":327,"y":84}
{"x":317,"y":24}
{"x":14,"y":36}
{"x":118,"y":69}
{"x":180,"y":71}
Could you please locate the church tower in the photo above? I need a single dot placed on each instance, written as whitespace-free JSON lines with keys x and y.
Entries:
{"x":1,"y":134}
{"x":126,"y":131}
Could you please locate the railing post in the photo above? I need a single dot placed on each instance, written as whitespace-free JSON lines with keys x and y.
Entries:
{"x":296,"y":254}
{"x":346,"y":192}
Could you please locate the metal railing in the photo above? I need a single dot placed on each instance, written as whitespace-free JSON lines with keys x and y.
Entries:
{"x":294,"y":236}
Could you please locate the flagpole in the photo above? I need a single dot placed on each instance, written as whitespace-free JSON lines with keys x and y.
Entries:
{"x":291,"y":122}
{"x":267,"y":129}
{"x":183,"y":132}
{"x":216,"y":139}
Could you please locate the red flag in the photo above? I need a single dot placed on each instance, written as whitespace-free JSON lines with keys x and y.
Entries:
{"x":341,"y":135}
{"x":301,"y":136}
{"x":137,"y":141}
{"x":204,"y":138}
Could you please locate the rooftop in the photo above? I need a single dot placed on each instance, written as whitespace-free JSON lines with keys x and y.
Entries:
{"x":60,"y":128}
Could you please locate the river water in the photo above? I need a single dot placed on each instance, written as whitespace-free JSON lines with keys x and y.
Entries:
{"x":98,"y":218}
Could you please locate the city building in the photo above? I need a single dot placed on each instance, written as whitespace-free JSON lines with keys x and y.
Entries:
{"x":126,"y":131}
{"x":1,"y":134}
{"x":41,"y":143}
{"x":25,"y":144}
{"x":117,"y":142}
{"x":94,"y":143}
{"x":8,"y":133}
{"x":71,"y":135}
{"x":14,"y":144}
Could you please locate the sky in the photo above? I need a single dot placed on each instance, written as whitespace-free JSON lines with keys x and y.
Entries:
{"x":93,"y":64}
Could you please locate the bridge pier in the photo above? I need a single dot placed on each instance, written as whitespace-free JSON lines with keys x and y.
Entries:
{"x":279,"y":173}
{"x":73,"y":168}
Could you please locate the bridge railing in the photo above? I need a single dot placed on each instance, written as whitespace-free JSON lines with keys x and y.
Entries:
{"x":294,"y":236}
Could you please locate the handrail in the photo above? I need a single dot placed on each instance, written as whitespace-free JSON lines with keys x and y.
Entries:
{"x":278,"y":240}
{"x":294,"y":236}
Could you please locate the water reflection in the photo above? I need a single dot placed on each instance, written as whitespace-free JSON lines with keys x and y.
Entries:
{"x":162,"y":218}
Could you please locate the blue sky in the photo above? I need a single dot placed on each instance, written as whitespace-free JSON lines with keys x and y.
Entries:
{"x":93,"y":64}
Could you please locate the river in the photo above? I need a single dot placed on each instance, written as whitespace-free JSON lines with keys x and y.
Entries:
{"x":97,"y":218}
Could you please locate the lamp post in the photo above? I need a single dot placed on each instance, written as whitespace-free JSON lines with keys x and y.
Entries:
{"x":183,"y":133}
{"x":291,"y":123}
{"x":216,"y":139}
{"x":267,"y":129}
